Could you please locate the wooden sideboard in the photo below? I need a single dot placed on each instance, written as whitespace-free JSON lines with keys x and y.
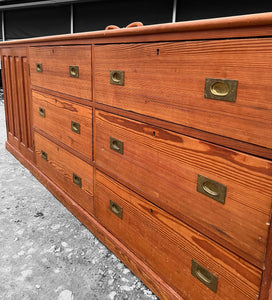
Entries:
{"x":159,"y":140}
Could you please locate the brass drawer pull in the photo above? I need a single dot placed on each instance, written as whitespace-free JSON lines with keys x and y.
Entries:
{"x":74,"y":71}
{"x":39,"y":67}
{"x":211,"y":188}
{"x":220,"y":89}
{"x":77,"y":180}
{"x":117,"y":77}
{"x":75,"y":127}
{"x":116,"y":145}
{"x":42,"y":112}
{"x":116,"y":209}
{"x":204,"y":275}
{"x":44,"y":155}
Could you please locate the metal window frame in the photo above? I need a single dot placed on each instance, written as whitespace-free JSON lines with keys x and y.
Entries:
{"x":26,"y":5}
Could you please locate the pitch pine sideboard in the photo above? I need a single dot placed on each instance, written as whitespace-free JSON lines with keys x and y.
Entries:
{"x":159,"y":140}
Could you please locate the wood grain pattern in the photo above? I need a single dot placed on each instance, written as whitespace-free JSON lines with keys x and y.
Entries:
{"x":163,"y":166}
{"x":166,"y":81}
{"x":55,"y":62}
{"x":61,"y":95}
{"x":266,"y":285}
{"x":57,"y":121}
{"x":164,"y":86}
{"x":17,"y":100}
{"x":14,"y":99}
{"x":60,"y":166}
{"x":189,"y":131}
{"x":168,"y":246}
{"x":138,"y":267}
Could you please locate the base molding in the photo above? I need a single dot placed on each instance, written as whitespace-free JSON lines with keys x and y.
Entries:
{"x":136,"y":265}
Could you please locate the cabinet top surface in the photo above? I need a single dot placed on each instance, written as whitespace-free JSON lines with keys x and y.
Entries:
{"x":254,"y":25}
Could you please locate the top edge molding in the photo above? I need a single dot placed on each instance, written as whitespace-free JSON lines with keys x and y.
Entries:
{"x":224,"y":23}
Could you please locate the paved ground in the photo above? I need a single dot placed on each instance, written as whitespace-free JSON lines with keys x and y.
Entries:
{"x":45,"y":252}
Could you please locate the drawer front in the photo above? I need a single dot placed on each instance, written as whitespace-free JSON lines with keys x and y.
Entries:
{"x":70,"y":173}
{"x":170,"y":248}
{"x":182,"y":175}
{"x":68,"y":122}
{"x":167,"y":81}
{"x":65,"y":69}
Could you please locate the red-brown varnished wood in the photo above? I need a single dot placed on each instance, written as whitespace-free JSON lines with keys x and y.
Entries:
{"x":266,"y":287}
{"x":61,"y":95}
{"x":55,"y":64}
{"x":21,"y":101}
{"x":60,"y":167}
{"x":64,"y":146}
{"x":17,"y":99}
{"x":171,"y":133}
{"x":166,"y":81}
{"x":59,"y":113}
{"x":202,"y":135}
{"x":14,"y":99}
{"x":168,"y":246}
{"x":164,"y":166}
{"x":138,"y":267}
{"x":28,"y":103}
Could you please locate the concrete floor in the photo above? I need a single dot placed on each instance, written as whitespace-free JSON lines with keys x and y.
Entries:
{"x":45,"y":252}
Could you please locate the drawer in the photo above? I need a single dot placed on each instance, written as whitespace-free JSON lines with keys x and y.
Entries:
{"x":223,"y":193}
{"x":68,"y":122}
{"x":167,"y":81}
{"x":171,"y":248}
{"x":70,"y":173}
{"x":65,"y":69}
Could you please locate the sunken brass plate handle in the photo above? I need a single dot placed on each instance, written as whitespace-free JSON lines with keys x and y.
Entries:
{"x":39,"y":67}
{"x":117,"y":77}
{"x":74,"y":71}
{"x":116,"y":145}
{"x":42,"y":112}
{"x":211,"y":188}
{"x":116,"y":209}
{"x":44,"y":155}
{"x":204,"y":275}
{"x":75,"y":127}
{"x":220,"y":89}
{"x":77,"y":180}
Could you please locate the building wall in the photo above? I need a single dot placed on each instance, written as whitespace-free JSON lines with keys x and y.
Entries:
{"x":96,"y":15}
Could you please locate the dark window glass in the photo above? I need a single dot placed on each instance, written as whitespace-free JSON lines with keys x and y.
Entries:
{"x":194,"y":10}
{"x":33,"y":22}
{"x":98,"y":15}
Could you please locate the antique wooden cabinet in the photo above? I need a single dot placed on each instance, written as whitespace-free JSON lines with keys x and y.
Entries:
{"x":158,"y":139}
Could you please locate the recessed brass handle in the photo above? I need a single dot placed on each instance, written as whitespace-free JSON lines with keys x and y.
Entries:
{"x":39,"y":67}
{"x":75,"y":127}
{"x":42,"y":112}
{"x":116,"y":145}
{"x":74,"y":71}
{"x":204,"y":275}
{"x":44,"y":155}
{"x":116,"y":209}
{"x":77,"y":180}
{"x":220,"y":89}
{"x":117,"y":77}
{"x":211,"y":188}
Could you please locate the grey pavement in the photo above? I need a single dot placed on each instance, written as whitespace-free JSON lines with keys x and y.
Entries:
{"x":45,"y":252}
